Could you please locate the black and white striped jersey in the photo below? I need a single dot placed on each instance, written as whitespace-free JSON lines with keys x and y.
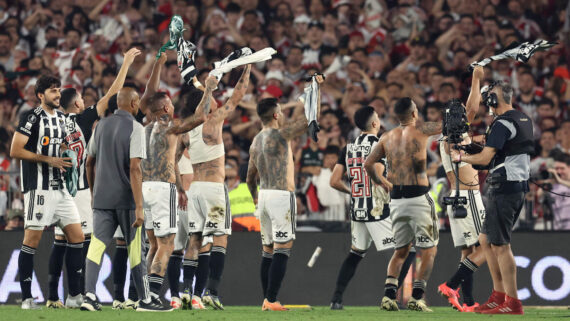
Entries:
{"x":46,"y":133}
{"x":352,"y":157}
{"x":79,"y":128}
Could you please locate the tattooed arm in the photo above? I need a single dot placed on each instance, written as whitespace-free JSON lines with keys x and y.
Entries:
{"x":370,"y":165}
{"x":430,"y":128}
{"x":251,"y":179}
{"x":182,"y":198}
{"x":153,"y":82}
{"x":201,"y":113}
{"x":239,"y":91}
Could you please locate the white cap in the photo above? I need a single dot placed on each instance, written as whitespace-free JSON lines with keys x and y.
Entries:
{"x":302,"y":19}
{"x":274,"y":74}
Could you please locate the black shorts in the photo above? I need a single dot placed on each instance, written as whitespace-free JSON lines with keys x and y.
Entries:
{"x":502,"y":211}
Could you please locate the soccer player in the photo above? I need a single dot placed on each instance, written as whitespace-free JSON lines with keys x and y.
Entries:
{"x":37,"y":144}
{"x":271,"y":158}
{"x":370,"y":221}
{"x":161,"y":178}
{"x":412,"y":209}
{"x":208,"y":208}
{"x":465,"y":231}
{"x":79,"y":125}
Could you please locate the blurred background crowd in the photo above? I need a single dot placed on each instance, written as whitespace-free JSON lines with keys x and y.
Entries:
{"x":372,"y":52}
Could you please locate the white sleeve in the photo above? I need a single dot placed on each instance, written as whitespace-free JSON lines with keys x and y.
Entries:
{"x":137,"y":148}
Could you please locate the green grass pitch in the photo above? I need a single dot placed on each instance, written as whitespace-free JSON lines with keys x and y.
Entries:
{"x":12,"y":312}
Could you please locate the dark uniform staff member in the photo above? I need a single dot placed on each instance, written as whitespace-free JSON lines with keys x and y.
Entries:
{"x":509,"y":142}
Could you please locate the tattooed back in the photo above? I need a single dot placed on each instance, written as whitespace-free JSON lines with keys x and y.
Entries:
{"x":161,"y":149}
{"x":272,"y":156}
{"x":406,"y":155}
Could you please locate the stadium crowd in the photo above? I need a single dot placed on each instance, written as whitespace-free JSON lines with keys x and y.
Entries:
{"x":372,"y":52}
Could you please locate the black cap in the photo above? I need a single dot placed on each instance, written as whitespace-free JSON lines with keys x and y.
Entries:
{"x":317,"y":24}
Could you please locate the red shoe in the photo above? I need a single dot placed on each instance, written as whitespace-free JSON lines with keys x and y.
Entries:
{"x":470,"y":308}
{"x":451,"y":295}
{"x":496,"y":299}
{"x":510,"y":306}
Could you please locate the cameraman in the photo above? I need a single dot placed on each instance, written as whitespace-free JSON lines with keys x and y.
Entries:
{"x":561,"y":185}
{"x":509,"y":143}
{"x":465,"y":231}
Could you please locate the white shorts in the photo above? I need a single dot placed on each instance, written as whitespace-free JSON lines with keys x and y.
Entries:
{"x":363,"y":233}
{"x":160,"y":204}
{"x":83,"y":203}
{"x":465,"y":231}
{"x":278,"y":216}
{"x":209,"y":209}
{"x":414,"y":219}
{"x":48,"y":207}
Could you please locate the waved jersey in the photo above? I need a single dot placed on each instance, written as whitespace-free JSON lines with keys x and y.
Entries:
{"x":45,"y":134}
{"x":352,"y":158}
{"x":79,"y":128}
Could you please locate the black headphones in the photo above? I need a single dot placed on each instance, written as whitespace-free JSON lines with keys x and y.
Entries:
{"x":490,"y":99}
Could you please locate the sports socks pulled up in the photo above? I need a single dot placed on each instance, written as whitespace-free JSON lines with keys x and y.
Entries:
{"x":55,"y":267}
{"x":347,"y":270}
{"x":277,"y":272}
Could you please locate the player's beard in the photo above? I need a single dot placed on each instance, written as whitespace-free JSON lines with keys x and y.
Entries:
{"x":52,"y":104}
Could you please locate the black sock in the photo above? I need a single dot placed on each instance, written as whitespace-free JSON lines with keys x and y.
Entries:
{"x":466,"y":267}
{"x":26,"y":270}
{"x":120,"y":272}
{"x":346,"y":273}
{"x":467,"y":290}
{"x":419,"y":288}
{"x":74,"y":267}
{"x":173,"y":273}
{"x":391,"y":287}
{"x":406,"y":267}
{"x":133,"y":295}
{"x":155,"y":283}
{"x":277,"y":272}
{"x":266,"y":259}
{"x":217,"y":258}
{"x":202,"y":273}
{"x":467,"y":283}
{"x":55,"y":267}
{"x":190,"y":267}
{"x":86,"y":244}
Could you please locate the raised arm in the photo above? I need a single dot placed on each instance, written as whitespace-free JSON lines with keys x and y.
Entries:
{"x":201,"y":113}
{"x":153,"y":82}
{"x":298,"y":123}
{"x":251,"y":179}
{"x":103,"y":103}
{"x":474,"y":99}
{"x":239,"y":91}
{"x":370,"y":165}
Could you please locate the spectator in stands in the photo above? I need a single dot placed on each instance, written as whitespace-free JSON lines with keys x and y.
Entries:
{"x":546,"y":146}
{"x":561,"y":204}
{"x":333,"y":201}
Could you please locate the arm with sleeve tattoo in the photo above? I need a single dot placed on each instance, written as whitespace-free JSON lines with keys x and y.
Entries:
{"x":237,"y":95}
{"x":370,"y":165}
{"x":251,"y":179}
{"x":201,"y":113}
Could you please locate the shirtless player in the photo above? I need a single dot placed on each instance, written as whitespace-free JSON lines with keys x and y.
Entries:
{"x":161,"y":178}
{"x":208,"y":205}
{"x":412,"y":210}
{"x":271,"y":158}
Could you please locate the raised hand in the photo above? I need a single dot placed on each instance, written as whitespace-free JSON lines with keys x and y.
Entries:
{"x":162,"y":59}
{"x":478,"y":72}
{"x":130,"y":55}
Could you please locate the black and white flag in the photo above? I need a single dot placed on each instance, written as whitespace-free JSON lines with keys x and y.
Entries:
{"x":519,"y":52}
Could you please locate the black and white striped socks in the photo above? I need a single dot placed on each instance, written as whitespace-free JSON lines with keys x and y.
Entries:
{"x":217,"y":262}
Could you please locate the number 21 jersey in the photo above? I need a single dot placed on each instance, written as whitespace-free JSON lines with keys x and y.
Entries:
{"x":352,"y":157}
